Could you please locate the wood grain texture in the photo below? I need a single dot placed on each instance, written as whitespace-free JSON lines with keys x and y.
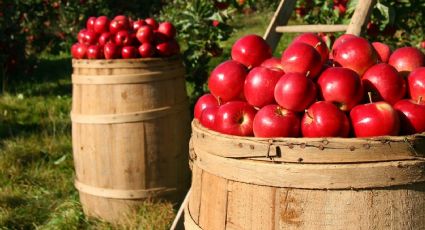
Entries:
{"x":257,"y":194}
{"x":360,"y":17}
{"x":129,"y":136}
{"x":311,"y":28}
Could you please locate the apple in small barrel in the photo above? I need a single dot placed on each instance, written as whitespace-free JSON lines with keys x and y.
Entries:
{"x":79,"y":51}
{"x":205,"y":101}
{"x":315,"y":41}
{"x":168,"y":29}
{"x":407,"y":59}
{"x":385,"y":83}
{"x":295,"y":91}
{"x":356,"y":54}
{"x":383,"y":51}
{"x":412,"y":116}
{"x":301,"y":58}
{"x":152,"y":22}
{"x":375,"y":119}
{"x":87,"y":37}
{"x":123,"y":38}
{"x":235,"y":118}
{"x":111,"y":51}
{"x":251,"y":50}
{"x":341,"y":86}
{"x":105,"y":37}
{"x":273,"y":63}
{"x":95,"y":52}
{"x":226,"y":81}
{"x":275,"y":121}
{"x":137,"y":24}
{"x":120,"y":22}
{"x":146,"y":50}
{"x":207,"y":118}
{"x":416,"y":83}
{"x":129,"y":52}
{"x":167,"y":48}
{"x":324,"y":119}
{"x":101,"y":25}
{"x":145,"y":34}
{"x":90,"y":23}
{"x":259,"y":86}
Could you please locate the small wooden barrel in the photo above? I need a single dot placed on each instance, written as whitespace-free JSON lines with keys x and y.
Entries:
{"x":130,"y":129}
{"x":306,"y":183}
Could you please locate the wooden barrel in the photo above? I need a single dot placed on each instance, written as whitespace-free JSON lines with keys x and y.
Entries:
{"x":130,"y":129}
{"x":306,"y":183}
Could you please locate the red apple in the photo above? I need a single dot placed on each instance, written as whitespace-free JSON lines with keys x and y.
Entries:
{"x":79,"y":51}
{"x":226,"y":81}
{"x":423,"y":44}
{"x":168,"y":29}
{"x":146,"y":50}
{"x":159,"y":37}
{"x":375,"y":119}
{"x":385,"y":83}
{"x":235,"y":118}
{"x":340,"y":40}
{"x":341,"y":86}
{"x":412,"y":116}
{"x":207,"y":118}
{"x":406,"y":59}
{"x":324,"y":119}
{"x":294,"y":91}
{"x":123,"y":38}
{"x":251,"y":50}
{"x":205,"y":101}
{"x":105,"y":37}
{"x":152,"y":22}
{"x":87,"y":37}
{"x":95,"y":52}
{"x":129,"y":52}
{"x":273,"y":63}
{"x":101,"y":25}
{"x":383,"y":51}
{"x":90,"y":23}
{"x":259,"y":86}
{"x":168,"y":48}
{"x":317,"y":43}
{"x":274,"y":121}
{"x":356,"y":54}
{"x":145,"y":34}
{"x":301,"y":58}
{"x":416,"y":83}
{"x":119,"y":23}
{"x":137,"y":24}
{"x":111,"y":51}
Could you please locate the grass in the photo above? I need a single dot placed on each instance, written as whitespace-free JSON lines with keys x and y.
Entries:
{"x":36,"y":166}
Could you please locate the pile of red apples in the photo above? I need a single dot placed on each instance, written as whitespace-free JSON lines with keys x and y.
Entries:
{"x":124,"y":38}
{"x":356,"y":89}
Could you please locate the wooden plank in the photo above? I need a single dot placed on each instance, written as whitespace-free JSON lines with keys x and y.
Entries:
{"x":250,"y":207}
{"x":309,"y":150}
{"x":195,"y":194}
{"x":213,"y":202}
{"x":280,"y":17}
{"x":311,"y":28}
{"x":360,"y":17}
{"x":314,"y":176}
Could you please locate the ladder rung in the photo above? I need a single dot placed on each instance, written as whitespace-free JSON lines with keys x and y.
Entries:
{"x":311,"y":28}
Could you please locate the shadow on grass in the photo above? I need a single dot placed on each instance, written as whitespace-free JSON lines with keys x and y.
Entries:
{"x":50,"y":76}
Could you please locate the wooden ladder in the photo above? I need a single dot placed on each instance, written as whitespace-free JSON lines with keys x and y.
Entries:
{"x":278,"y":24}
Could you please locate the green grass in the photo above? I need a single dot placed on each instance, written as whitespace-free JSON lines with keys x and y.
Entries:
{"x":36,"y":166}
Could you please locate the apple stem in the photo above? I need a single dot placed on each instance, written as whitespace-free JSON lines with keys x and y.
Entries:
{"x":419,"y":99}
{"x":369,"y":94}
{"x":308,"y":73}
{"x":317,"y":45}
{"x":306,"y":112}
{"x":219,"y":100}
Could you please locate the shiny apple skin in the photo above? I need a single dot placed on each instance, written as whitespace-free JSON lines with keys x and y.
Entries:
{"x":275,"y":121}
{"x":412,"y":116}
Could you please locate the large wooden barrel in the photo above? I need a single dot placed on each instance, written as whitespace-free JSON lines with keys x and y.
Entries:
{"x":130,"y":129}
{"x":306,"y":183}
